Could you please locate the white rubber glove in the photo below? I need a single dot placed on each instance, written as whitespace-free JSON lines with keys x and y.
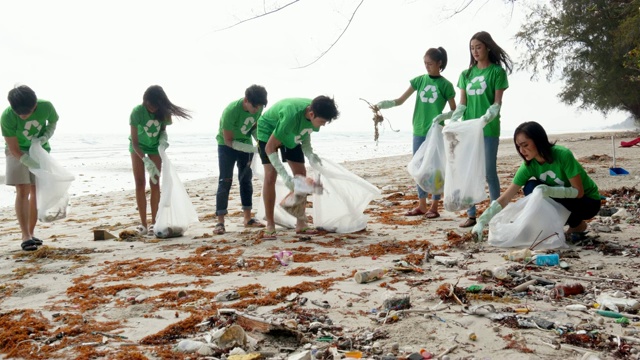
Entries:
{"x":163,"y":139}
{"x":458,"y":112}
{"x":386,"y":104}
{"x":491,"y":113}
{"x":48,"y":133}
{"x":307,"y":150}
{"x":248,"y":148}
{"x":484,"y":219}
{"x":29,"y":162}
{"x":277,"y":164}
{"x":558,"y":192}
{"x":442,"y":117}
{"x":152,"y":169}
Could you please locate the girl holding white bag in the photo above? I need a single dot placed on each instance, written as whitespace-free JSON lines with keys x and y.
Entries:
{"x":557,"y":174}
{"x":481,"y":88}
{"x":434,"y":92}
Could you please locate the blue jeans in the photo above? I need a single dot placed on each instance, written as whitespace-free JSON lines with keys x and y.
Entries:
{"x":227,"y":157}
{"x":491,"y":169}
{"x":417,"y":142}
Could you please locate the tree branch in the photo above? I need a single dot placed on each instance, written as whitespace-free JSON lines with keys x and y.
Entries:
{"x":335,"y":42}
{"x":259,"y":16}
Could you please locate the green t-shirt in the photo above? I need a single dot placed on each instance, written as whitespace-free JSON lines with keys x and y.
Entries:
{"x":432,"y":96}
{"x":480,"y":86}
{"x":239,"y":121}
{"x":148,"y":129}
{"x":558,"y":173}
{"x":31,"y":128}
{"x":286,"y":121}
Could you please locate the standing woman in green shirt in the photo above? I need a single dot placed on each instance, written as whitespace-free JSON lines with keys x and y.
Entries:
{"x":434,"y":92}
{"x":556,"y":173}
{"x":481,"y":88}
{"x":148,"y":124}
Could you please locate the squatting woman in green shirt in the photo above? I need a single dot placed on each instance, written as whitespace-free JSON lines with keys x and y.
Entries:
{"x":555,"y":171}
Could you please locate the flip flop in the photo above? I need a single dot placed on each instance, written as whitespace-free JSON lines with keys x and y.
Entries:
{"x":36,"y":240}
{"x":431,"y":215}
{"x":307,"y":231}
{"x":150,"y":231}
{"x":29,"y":245}
{"x":219,"y":229}
{"x":254,"y":223}
{"x":468,"y":223}
{"x":268,"y":235}
{"x":414,"y":212}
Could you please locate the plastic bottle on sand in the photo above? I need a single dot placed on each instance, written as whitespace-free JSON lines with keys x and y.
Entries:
{"x":366,"y":276}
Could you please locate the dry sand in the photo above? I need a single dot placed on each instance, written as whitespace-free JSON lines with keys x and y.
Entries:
{"x":151,"y":293}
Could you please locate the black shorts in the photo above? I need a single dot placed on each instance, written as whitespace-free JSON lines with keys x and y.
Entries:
{"x":294,"y":155}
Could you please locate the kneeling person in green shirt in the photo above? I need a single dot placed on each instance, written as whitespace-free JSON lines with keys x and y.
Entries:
{"x":287,"y":126}
{"x":237,"y":125}
{"x":553,"y":170}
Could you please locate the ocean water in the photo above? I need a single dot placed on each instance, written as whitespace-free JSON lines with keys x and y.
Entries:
{"x":103,"y":164}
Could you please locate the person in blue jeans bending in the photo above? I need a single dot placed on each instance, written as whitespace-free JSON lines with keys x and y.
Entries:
{"x":237,"y":126}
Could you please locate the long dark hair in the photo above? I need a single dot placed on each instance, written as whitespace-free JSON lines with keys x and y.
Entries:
{"x":496,"y":54}
{"x":538,"y":135}
{"x":439,"y":54}
{"x":156,"y":97}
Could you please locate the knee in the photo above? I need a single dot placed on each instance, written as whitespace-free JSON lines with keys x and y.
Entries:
{"x":224,"y":183}
{"x":529,"y":186}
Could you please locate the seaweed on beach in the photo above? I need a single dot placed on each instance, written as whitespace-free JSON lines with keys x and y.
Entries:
{"x":391,"y":247}
{"x":303,"y":271}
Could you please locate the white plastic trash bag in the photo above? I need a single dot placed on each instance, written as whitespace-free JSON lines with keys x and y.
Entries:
{"x":340,"y":207}
{"x":427,"y":167}
{"x":465,"y":170}
{"x":175,"y":211}
{"x":281,"y":217}
{"x":529,"y":221}
{"x":52,"y":185}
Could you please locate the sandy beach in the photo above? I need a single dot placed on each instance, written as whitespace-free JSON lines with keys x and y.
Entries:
{"x":137,"y":298}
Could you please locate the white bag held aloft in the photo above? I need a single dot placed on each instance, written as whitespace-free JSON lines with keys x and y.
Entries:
{"x":465,"y":170}
{"x":175,"y":211}
{"x":52,"y":185}
{"x":427,"y":167}
{"x":528,"y":221}
{"x":340,"y":207}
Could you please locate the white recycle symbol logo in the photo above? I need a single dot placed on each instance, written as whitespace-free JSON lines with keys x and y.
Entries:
{"x":248,"y":124}
{"x":28,"y":125}
{"x":434,"y":94}
{"x":298,"y":138}
{"x":156,"y":127}
{"x":483,"y":86}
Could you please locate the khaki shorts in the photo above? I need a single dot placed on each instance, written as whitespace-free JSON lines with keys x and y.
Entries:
{"x":16,"y":173}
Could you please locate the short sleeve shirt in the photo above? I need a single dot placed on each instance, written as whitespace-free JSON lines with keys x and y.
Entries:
{"x":31,"y":128}
{"x":480,"y":86}
{"x":557,"y":173}
{"x":239,"y":121}
{"x":432,"y":96}
{"x":148,"y":129}
{"x":286,"y":121}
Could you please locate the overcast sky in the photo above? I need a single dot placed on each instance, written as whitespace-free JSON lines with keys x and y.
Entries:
{"x":94,"y":59}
